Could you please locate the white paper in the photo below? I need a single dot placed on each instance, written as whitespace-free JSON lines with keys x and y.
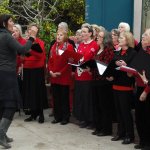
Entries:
{"x":101,"y":67}
{"x":60,"y":52}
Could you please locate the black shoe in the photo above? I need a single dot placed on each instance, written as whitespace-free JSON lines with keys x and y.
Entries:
{"x":55,"y":121}
{"x":127,"y":140}
{"x":117,"y":138}
{"x":139,"y":146}
{"x":8,"y":139}
{"x":103,"y":134}
{"x":29,"y":119}
{"x":64,"y":122}
{"x":95,"y":132}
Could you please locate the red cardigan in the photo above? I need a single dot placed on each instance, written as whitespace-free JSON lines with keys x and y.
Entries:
{"x":89,"y":51}
{"x":57,"y":63}
{"x":36,"y":60}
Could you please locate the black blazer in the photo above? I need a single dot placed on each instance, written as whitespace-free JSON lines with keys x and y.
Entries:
{"x":120,"y":77}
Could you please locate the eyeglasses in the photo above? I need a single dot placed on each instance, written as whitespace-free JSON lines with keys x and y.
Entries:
{"x":114,"y":34}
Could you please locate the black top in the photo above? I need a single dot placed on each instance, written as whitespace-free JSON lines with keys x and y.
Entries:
{"x":8,"y":50}
{"x":120,"y":77}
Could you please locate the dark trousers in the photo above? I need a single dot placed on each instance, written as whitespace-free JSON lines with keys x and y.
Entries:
{"x":123,"y":100}
{"x":103,"y":108}
{"x":61,"y":102}
{"x":142,"y":117}
{"x":7,"y":113}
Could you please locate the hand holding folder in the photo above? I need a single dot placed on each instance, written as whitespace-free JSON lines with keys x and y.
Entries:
{"x":132,"y":71}
{"x":36,"y":47}
{"x":127,"y":69}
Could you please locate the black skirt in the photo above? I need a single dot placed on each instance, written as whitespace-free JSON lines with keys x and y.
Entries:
{"x":34,"y":90}
{"x":9,"y":91}
{"x":83,"y":101}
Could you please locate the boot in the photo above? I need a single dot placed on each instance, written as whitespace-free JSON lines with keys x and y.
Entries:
{"x":8,"y":139}
{"x":3,"y":141}
{"x":4,"y":125}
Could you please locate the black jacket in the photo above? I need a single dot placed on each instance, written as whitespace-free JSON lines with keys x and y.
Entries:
{"x":120,"y":77}
{"x":8,"y":50}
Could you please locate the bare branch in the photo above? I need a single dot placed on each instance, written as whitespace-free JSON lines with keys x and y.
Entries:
{"x":26,"y":7}
{"x":38,"y":14}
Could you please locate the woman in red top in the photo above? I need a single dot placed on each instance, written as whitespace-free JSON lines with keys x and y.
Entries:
{"x":83,"y":100}
{"x":34,"y":89}
{"x":60,"y":77}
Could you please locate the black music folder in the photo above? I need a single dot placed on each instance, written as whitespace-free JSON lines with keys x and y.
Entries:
{"x":90,"y":63}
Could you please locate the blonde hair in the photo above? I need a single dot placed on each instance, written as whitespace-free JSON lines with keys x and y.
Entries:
{"x":18,"y":26}
{"x":35,"y":25}
{"x":129,"y":38}
{"x":64,"y":33}
{"x":96,"y":27}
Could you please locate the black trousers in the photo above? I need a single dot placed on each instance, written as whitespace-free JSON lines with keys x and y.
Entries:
{"x":61,"y":102}
{"x":142,"y":117}
{"x":123,"y":103}
{"x":103,"y":97}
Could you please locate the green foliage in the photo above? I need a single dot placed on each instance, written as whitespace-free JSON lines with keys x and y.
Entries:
{"x":72,"y":12}
{"x":47,"y":33}
{"x":3,"y":7}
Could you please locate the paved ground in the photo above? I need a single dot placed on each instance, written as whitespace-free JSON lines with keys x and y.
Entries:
{"x":47,"y":136}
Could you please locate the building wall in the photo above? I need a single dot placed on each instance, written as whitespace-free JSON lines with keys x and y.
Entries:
{"x":109,"y":13}
{"x":137,"y":19}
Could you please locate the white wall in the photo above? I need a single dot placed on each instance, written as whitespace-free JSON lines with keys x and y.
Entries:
{"x":137,"y":19}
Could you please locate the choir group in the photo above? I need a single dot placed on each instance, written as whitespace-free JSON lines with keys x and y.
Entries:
{"x":78,"y":88}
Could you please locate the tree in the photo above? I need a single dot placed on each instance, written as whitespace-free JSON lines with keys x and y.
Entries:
{"x":39,"y":11}
{"x":72,"y":12}
{"x":47,"y":14}
{"x":3,"y":6}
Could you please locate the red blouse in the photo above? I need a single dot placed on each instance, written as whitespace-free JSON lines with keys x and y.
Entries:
{"x":89,"y":51}
{"x":36,"y":60}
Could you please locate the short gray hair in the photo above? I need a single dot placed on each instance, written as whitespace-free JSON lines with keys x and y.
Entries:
{"x":64,"y":25}
{"x":126,"y":25}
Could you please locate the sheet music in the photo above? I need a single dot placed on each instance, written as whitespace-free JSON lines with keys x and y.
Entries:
{"x":101,"y":67}
{"x":60,"y":52}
